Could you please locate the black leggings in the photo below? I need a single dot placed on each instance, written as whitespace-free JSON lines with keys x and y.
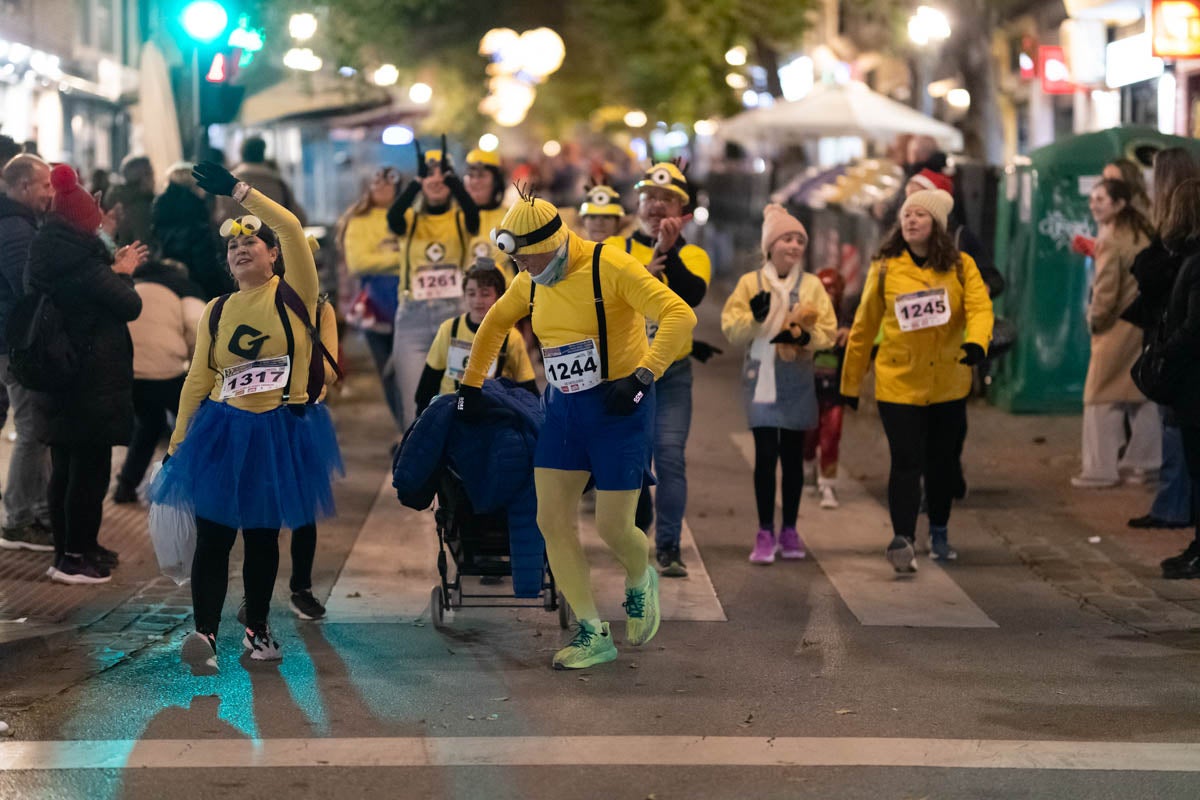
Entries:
{"x":771,"y":446}
{"x":1191,"y":455}
{"x":924,"y":441}
{"x":210,"y":572}
{"x":79,"y":476}
{"x":151,"y":402}
{"x":304,"y":550}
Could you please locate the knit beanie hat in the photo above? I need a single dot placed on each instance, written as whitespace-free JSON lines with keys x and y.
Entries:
{"x":928,"y":179}
{"x":937,"y":202}
{"x":776,"y":222}
{"x":530,"y":227}
{"x":72,"y":202}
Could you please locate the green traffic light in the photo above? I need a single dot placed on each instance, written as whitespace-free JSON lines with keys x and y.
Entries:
{"x":204,"y":20}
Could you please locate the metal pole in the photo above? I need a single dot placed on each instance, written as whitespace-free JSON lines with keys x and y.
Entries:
{"x":197,"y":126}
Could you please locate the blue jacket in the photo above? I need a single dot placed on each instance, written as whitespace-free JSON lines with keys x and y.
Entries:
{"x":494,"y":458}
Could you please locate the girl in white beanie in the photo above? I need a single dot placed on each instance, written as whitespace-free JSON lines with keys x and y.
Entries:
{"x":784,"y":316}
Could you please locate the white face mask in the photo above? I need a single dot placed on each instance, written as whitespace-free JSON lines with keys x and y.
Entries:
{"x":555,"y":270}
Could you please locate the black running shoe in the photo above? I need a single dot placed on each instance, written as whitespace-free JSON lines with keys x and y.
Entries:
{"x":79,"y":570}
{"x":306,"y":606}
{"x":200,"y":653}
{"x":670,"y":562}
{"x":1184,"y":565}
{"x":27,"y":537}
{"x":104,"y":557}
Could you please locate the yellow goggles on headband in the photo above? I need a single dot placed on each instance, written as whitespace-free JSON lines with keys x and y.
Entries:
{"x":248,"y":225}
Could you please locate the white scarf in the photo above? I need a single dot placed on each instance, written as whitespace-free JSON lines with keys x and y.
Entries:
{"x":761,"y":348}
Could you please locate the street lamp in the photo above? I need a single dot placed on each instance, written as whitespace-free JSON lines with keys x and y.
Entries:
{"x":927,"y":26}
{"x":204,"y":20}
{"x":420,"y":93}
{"x":302,"y":27}
{"x":636,"y":119}
{"x":387,"y":75}
{"x":736,"y":56}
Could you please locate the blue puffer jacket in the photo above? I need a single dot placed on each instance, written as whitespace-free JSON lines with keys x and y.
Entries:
{"x":494,"y":458}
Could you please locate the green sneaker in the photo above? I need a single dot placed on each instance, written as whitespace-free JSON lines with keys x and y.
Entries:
{"x":587,"y":649}
{"x":642,"y":611}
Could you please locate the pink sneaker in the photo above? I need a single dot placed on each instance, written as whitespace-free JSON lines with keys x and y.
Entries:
{"x":791,"y":546}
{"x":764,"y":547}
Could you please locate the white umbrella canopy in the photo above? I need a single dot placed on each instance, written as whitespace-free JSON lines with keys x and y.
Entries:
{"x":156,"y":111}
{"x":850,"y":109}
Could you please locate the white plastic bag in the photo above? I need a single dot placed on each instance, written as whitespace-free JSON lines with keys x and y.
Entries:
{"x":173,"y":533}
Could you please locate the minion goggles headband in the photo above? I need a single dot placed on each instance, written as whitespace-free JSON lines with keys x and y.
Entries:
{"x":248,"y":225}
{"x":510,"y":243}
{"x":661,"y":178}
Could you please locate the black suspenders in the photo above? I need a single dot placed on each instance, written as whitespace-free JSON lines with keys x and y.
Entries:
{"x":601,"y":319}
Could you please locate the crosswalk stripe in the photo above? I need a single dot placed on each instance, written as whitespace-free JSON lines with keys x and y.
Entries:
{"x":599,"y":751}
{"x":848,"y":544}
{"x":392,"y":569}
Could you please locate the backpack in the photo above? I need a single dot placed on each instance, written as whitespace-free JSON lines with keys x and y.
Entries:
{"x":286,"y":297}
{"x":1152,"y":373}
{"x":41,"y":355}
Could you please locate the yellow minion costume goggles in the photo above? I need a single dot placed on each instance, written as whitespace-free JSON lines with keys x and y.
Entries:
{"x":511,"y":243}
{"x":248,"y":225}
{"x":601,"y":201}
{"x":482,"y":158}
{"x":665,"y":175}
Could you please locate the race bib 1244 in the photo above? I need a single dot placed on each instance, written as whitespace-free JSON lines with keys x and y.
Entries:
{"x":572,"y":367}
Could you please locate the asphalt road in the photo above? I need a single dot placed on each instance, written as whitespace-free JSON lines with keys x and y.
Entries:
{"x":1078,"y":679}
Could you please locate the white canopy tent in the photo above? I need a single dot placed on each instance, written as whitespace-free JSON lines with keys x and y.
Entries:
{"x":850,"y":109}
{"x":156,"y":112}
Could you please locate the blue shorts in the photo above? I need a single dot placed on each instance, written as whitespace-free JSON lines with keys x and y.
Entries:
{"x":579,"y":435}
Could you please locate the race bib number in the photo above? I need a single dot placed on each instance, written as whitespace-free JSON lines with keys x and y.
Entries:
{"x":458,"y":356}
{"x":916,"y":311}
{"x":253,"y":377}
{"x":431,"y":283}
{"x":572,"y":367}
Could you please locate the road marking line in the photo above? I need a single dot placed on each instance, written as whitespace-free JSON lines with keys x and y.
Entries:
{"x":390,"y":572}
{"x":848,"y":545}
{"x":539,"y":751}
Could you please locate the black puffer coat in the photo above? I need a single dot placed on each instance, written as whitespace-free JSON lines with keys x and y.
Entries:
{"x":75,"y":268}
{"x":1183,"y":334}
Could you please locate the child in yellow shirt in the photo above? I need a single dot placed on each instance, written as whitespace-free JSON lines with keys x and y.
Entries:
{"x":447,"y":359}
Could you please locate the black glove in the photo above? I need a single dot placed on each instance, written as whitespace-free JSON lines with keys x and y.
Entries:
{"x":447,"y":170}
{"x":974,"y":354}
{"x":621,"y":398}
{"x":703,"y":351}
{"x":422,"y":167}
{"x":470,"y":405}
{"x":847,"y":400}
{"x":785,"y":337}
{"x":760,"y":306}
{"x":214,"y":179}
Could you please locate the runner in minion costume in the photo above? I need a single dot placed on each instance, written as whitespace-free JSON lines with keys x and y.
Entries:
{"x":435,"y":231}
{"x":485,"y":183}
{"x":601,"y":213}
{"x":589,"y":302}
{"x":658,"y":245}
{"x":246,"y":454}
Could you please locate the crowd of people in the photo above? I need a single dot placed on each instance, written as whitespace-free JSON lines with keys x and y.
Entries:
{"x":200,"y":308}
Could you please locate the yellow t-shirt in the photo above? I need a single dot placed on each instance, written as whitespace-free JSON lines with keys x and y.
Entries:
{"x":565,"y":313}
{"x":693,"y":257}
{"x":516,"y":360}
{"x":433,"y":241}
{"x":250,"y":328}
{"x":329,"y":338}
{"x":370,"y":246}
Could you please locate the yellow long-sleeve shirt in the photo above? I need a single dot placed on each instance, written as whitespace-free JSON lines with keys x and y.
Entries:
{"x":329,"y":338}
{"x":566,"y":313}
{"x":370,"y":246}
{"x":694,"y":258}
{"x":740,"y":327}
{"x":432,"y":241}
{"x":516,"y":359}
{"x":917,"y":367}
{"x":250,"y":328}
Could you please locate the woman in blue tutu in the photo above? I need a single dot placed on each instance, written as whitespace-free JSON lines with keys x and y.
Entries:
{"x":246,"y":454}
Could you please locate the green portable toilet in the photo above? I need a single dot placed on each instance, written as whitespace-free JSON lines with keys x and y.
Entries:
{"x":1042,"y":205}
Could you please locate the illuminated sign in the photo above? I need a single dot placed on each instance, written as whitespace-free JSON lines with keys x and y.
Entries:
{"x":1176,"y":27}
{"x":1056,"y":77}
{"x":1130,"y":61}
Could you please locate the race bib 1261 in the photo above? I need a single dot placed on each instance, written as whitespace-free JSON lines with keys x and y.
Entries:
{"x":437,"y":284}
{"x":925,"y":309}
{"x":572,"y":367}
{"x":253,"y":377}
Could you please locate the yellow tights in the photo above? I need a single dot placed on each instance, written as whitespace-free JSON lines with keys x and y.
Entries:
{"x":558,"y":493}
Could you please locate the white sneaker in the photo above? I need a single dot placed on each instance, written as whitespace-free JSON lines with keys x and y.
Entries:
{"x":262,"y":645}
{"x":829,"y":498}
{"x":1084,"y":482}
{"x":200,"y":653}
{"x":900,"y":555}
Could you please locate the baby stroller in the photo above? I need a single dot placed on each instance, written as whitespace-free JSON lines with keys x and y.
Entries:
{"x":478,"y":545}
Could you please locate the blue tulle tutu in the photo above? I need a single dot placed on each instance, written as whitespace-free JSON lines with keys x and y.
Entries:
{"x":247,"y":470}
